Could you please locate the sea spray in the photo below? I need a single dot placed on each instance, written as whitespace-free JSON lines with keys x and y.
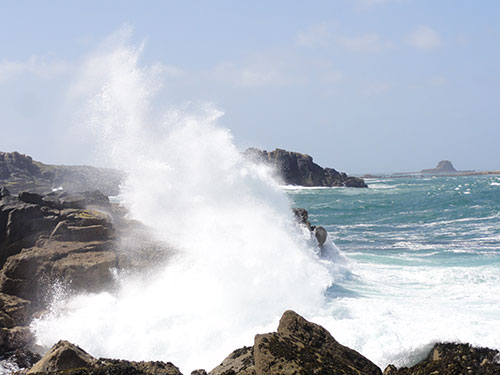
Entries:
{"x":240,"y":260}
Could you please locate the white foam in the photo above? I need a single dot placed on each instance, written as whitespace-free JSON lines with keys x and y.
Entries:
{"x":242,"y":259}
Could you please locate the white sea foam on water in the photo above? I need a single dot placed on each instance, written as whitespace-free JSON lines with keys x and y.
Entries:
{"x":399,"y":312}
{"x":242,"y":260}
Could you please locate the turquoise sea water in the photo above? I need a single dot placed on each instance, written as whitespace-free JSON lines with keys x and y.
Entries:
{"x":425,"y":255}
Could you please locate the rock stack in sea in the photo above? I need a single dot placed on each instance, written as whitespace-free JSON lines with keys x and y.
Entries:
{"x":444,"y":166}
{"x":299,"y":169}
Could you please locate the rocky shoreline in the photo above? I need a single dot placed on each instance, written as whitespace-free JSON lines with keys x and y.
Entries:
{"x":75,"y":239}
{"x":72,"y":239}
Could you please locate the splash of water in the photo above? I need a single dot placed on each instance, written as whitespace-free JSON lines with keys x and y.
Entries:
{"x":242,"y":260}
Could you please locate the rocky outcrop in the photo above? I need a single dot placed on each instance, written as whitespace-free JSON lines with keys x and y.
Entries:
{"x":66,"y":358}
{"x":444,"y":166}
{"x":302,"y":217}
{"x":47,"y":239}
{"x":20,"y":172}
{"x":299,"y":169}
{"x":452,"y":359}
{"x":298,"y":347}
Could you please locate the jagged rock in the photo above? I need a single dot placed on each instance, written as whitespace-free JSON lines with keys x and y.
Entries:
{"x":453,"y":359}
{"x":444,"y":166}
{"x":299,"y":169}
{"x":22,"y":358}
{"x":15,"y":338}
{"x":4,"y":192}
{"x":302,"y":216}
{"x":25,"y":219}
{"x":66,"y":358}
{"x":198,"y":372}
{"x":14,"y":311}
{"x":63,"y":356}
{"x":298,"y":347}
{"x":80,"y":265}
{"x":240,"y":362}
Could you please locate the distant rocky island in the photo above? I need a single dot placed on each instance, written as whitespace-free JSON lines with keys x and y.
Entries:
{"x":444,"y":166}
{"x":299,"y":169}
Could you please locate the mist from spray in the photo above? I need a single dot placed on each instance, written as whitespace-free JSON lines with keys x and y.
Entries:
{"x":241,"y":259}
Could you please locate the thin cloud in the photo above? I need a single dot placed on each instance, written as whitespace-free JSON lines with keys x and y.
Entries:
{"x":259,"y":73}
{"x":376,"y":88}
{"x":314,"y":36}
{"x":34,"y":65}
{"x":424,"y":38}
{"x":364,"y":43}
{"x":333,"y":77}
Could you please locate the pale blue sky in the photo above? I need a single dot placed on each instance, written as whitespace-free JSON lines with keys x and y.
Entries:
{"x":361,"y":85}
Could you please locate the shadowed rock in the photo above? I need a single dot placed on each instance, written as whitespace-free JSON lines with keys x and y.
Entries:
{"x":453,"y":359}
{"x":299,"y":169}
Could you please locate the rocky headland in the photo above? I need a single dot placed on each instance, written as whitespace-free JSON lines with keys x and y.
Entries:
{"x":299,"y":169}
{"x":19,"y":172}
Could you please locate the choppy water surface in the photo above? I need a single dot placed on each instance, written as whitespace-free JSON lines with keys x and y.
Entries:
{"x":426,"y":262}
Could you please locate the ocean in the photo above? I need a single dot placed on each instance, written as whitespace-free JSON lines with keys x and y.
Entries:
{"x":408,"y":262}
{"x":425,"y":255}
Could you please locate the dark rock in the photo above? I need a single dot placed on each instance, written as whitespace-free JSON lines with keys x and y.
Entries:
{"x":299,"y":169}
{"x":14,"y":311}
{"x":20,"y":172}
{"x":355,"y":182}
{"x":26,"y":219}
{"x":299,"y":347}
{"x":453,"y":359}
{"x":302,"y":216}
{"x":22,"y":358}
{"x":321,"y":235}
{"x":444,"y":166}
{"x":198,"y":372}
{"x":4,"y":192}
{"x":66,"y":358}
{"x":83,"y":266}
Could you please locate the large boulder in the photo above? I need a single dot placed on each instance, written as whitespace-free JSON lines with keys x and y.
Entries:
{"x":66,"y":358}
{"x":298,"y":347}
{"x":299,"y":169}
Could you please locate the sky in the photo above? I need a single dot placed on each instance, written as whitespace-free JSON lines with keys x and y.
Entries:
{"x":363,"y":86}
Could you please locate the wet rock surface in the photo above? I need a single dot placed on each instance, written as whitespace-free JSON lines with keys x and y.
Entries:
{"x":299,"y":169}
{"x":46,"y":239}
